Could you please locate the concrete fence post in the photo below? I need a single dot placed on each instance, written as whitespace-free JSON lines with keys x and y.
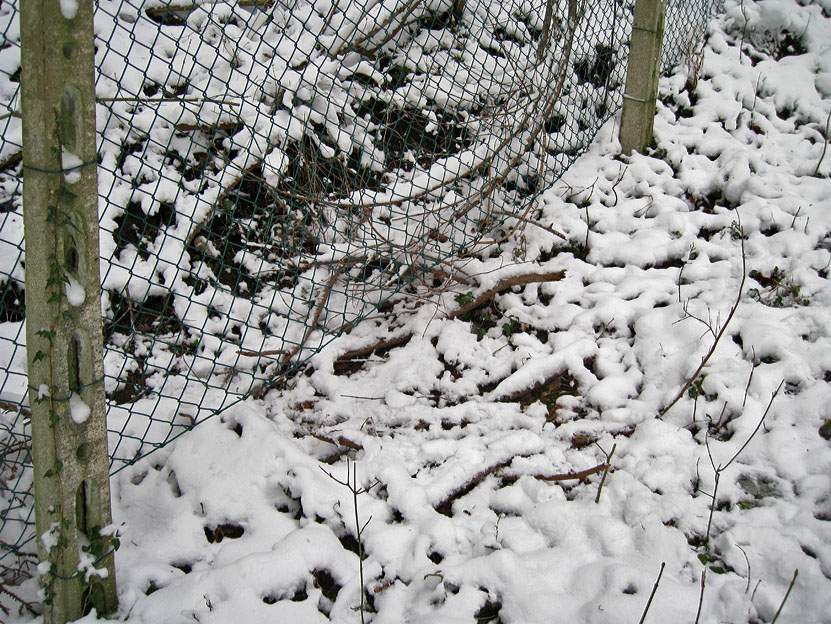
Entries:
{"x":638,"y":117}
{"x":63,"y":310}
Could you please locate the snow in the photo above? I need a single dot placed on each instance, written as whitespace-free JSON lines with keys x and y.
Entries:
{"x":242,"y":519}
{"x":43,"y":391}
{"x":70,"y":163}
{"x":275,"y":164}
{"x":78,"y":410}
{"x":75,"y":294}
{"x":69,"y":8}
{"x":50,"y":537}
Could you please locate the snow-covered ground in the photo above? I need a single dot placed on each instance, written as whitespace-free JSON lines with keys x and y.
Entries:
{"x":722,"y":232}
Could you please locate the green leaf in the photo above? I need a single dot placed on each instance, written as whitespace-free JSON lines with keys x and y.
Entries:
{"x":464,"y":298}
{"x":704,"y":558}
{"x":40,"y":355}
{"x":65,"y":194}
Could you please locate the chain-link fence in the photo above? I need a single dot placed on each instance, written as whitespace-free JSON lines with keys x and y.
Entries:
{"x":271,"y":172}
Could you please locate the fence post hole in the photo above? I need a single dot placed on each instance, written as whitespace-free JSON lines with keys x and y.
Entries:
{"x":63,"y":310}
{"x":638,"y":115}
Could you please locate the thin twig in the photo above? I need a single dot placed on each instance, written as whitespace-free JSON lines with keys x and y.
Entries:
{"x":340,"y":441}
{"x":744,"y":32}
{"x":139,"y":100}
{"x":361,"y":398}
{"x":709,"y":324}
{"x":404,"y":11}
{"x":546,"y":30}
{"x":542,"y":226}
{"x":755,"y":589}
{"x":787,"y":593}
{"x":758,"y":426}
{"x":747,"y":562}
{"x":701,"y":594}
{"x":712,"y":510}
{"x":359,"y":530}
{"x":825,"y":146}
{"x":29,"y":606}
{"x":574,"y":476}
{"x":718,"y":470}
{"x":588,"y":231}
{"x":799,"y":208}
{"x":721,"y":331}
{"x":14,"y":407}
{"x":715,"y":427}
{"x":603,"y":479}
{"x":444,"y":506}
{"x":287,"y":356}
{"x":11,"y":159}
{"x":621,"y":174}
{"x":509,"y":282}
{"x":189,"y":7}
{"x":652,"y":593}
{"x":750,"y":378}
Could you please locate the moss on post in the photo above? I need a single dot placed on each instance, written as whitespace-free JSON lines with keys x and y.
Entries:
{"x":638,"y":117}
{"x":63,"y":310}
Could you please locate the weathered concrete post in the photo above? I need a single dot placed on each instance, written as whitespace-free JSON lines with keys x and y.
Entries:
{"x":63,"y":309}
{"x":638,"y":115}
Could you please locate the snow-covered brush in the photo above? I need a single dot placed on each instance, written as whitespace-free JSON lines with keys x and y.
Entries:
{"x":20,"y":561}
{"x":303,"y":163}
{"x":707,"y":556}
{"x":272,"y":173}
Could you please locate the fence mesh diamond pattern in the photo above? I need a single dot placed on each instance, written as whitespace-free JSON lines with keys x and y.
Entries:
{"x":273,"y":171}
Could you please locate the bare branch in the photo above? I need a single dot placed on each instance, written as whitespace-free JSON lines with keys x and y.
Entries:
{"x":575,"y":476}
{"x":720,"y":333}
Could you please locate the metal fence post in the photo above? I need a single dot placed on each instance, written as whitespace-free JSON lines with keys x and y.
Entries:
{"x":63,"y":309}
{"x":638,"y":115}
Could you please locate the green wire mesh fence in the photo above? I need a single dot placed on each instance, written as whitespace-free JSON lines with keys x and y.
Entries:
{"x":271,"y":172}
